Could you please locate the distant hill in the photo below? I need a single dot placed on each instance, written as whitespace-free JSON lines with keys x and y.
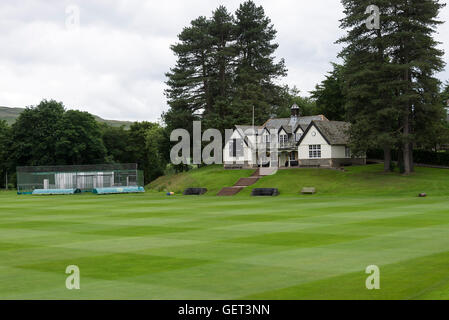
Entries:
{"x":11,"y":114}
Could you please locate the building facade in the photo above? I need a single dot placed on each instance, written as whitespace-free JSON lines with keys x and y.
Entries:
{"x":311,"y":141}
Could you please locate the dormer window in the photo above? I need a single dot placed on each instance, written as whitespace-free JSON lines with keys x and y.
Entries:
{"x":283,"y":140}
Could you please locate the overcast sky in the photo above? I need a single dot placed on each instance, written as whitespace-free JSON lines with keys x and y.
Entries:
{"x":114,"y":64}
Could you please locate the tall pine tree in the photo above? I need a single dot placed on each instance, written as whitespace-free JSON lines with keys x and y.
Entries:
{"x":223,"y":53}
{"x":256,"y":66}
{"x":225,"y":67}
{"x":367,"y":81}
{"x":329,"y":96}
{"x":189,"y":92}
{"x":391,"y":87}
{"x":416,"y":59}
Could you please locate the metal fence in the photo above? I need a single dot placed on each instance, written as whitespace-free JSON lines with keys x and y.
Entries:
{"x":83,"y":177}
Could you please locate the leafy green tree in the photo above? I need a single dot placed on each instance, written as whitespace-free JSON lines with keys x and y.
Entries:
{"x":35,"y":134}
{"x":290,"y":96}
{"x":4,"y":146}
{"x":155,"y":146}
{"x":79,"y":139}
{"x":115,"y":140}
{"x":329,"y":95}
{"x":147,"y":147}
{"x":435,"y":135}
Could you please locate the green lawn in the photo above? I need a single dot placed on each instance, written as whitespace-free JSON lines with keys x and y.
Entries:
{"x":150,"y":246}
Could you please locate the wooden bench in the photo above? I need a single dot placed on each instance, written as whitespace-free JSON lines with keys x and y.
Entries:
{"x":308,"y":191}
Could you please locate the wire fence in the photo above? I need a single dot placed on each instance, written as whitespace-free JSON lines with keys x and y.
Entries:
{"x":82,"y":177}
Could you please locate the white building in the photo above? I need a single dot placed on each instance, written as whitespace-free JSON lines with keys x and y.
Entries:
{"x":311,"y":141}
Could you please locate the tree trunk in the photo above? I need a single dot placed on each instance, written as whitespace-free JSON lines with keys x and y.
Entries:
{"x":412,"y":162}
{"x":401,"y":160}
{"x":387,"y":159}
{"x":406,"y":131}
{"x":406,"y":147}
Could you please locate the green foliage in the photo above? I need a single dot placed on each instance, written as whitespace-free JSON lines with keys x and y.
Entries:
{"x":329,"y":95}
{"x":147,"y":146}
{"x":34,"y":136}
{"x":4,"y":142}
{"x":290,"y":96}
{"x":225,"y":67}
{"x":79,"y":139}
{"x":445,"y":95}
{"x":49,"y":135}
{"x":10,"y":115}
{"x":115,"y":140}
{"x":256,"y":68}
{"x":420,"y":156}
{"x":392,"y":94}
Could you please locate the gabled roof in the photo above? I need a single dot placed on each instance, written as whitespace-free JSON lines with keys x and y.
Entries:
{"x":302,"y":122}
{"x":303,"y":127}
{"x":241,"y":130}
{"x":282,"y":128}
{"x":334,"y":132}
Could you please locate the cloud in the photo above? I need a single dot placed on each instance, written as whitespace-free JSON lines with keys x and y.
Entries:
{"x":114,"y":65}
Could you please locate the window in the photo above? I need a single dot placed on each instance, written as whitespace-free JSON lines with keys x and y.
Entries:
{"x":292,"y":156}
{"x":283,"y":140}
{"x":236,"y":148}
{"x":315,"y":151}
{"x":347,"y":152}
{"x":267,"y":141}
{"x":231,"y":148}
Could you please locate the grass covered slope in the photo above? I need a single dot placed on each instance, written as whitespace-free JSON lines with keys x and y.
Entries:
{"x":214,"y":178}
{"x":356,"y":181}
{"x":150,"y":246}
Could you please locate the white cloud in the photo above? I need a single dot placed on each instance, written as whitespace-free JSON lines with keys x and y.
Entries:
{"x":114,"y":67}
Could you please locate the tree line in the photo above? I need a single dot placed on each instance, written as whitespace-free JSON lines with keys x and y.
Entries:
{"x":226,"y":67}
{"x":386,"y":86}
{"x":48,"y":134}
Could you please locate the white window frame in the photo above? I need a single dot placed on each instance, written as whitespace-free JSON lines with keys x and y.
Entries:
{"x":266,"y":141}
{"x":231,"y":148}
{"x":283,"y":140}
{"x":315,"y":151}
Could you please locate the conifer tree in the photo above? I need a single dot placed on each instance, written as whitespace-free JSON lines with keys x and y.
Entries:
{"x":256,"y":66}
{"x":391,"y":89}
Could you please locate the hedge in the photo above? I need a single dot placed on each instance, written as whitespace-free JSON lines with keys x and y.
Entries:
{"x":419,"y":156}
